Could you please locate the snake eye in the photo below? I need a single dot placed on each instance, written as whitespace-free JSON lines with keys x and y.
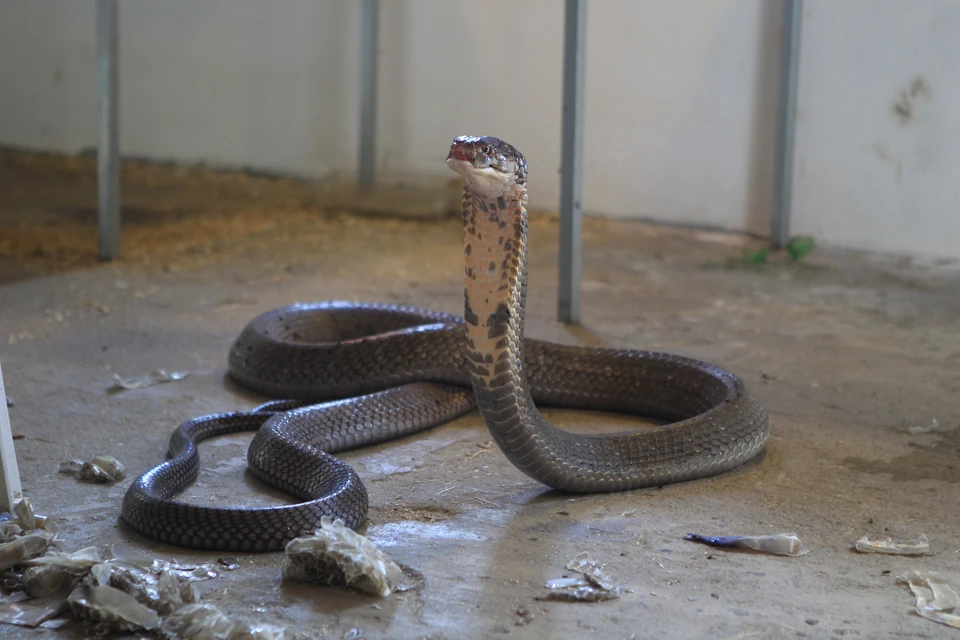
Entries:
{"x":486,"y":149}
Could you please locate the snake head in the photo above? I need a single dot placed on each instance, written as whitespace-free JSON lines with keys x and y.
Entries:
{"x":489,"y":165}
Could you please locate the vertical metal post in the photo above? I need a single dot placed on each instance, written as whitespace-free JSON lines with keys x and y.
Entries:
{"x":369,"y":40}
{"x":571,"y":161}
{"x":108,"y":160}
{"x":10,"y":491}
{"x":786,"y":125}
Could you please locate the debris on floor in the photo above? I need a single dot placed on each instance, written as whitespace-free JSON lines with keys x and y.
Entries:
{"x":23,"y":518}
{"x":105,"y":609}
{"x":140,"y":382}
{"x":54,"y":575}
{"x":915,"y":429}
{"x":338,"y":556}
{"x":19,"y":609}
{"x":524,"y":617}
{"x":593,"y":585}
{"x":936,"y":599}
{"x":917,"y":547}
{"x":23,"y":547}
{"x":97,"y":469}
{"x":780,"y":544}
{"x":23,"y":535}
{"x":207,"y":622}
{"x":113,"y":591}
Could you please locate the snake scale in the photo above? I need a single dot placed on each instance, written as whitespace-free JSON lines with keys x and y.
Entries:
{"x":356,"y":374}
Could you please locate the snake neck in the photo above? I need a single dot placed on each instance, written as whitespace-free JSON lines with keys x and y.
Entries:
{"x":495,"y":252}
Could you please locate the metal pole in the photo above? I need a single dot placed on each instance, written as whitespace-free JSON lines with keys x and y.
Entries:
{"x":10,"y":491}
{"x":571,"y":161}
{"x":786,"y":126}
{"x":108,"y":161}
{"x":369,"y":39}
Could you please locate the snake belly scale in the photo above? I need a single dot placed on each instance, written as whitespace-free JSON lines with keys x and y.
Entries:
{"x":354,"y":374}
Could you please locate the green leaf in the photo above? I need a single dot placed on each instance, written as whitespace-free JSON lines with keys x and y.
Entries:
{"x":799,"y":247}
{"x":757,"y":257}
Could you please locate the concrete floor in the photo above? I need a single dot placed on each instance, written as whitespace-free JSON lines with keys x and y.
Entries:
{"x":846,"y":352}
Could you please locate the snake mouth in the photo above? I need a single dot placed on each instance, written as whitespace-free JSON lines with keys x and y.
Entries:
{"x":487,"y":182}
{"x":459,"y":152}
{"x":459,"y":164}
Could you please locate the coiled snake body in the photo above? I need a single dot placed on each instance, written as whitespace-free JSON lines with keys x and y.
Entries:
{"x":382,"y":371}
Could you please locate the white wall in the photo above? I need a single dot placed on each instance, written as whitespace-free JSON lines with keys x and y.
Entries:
{"x":227,"y":81}
{"x":868,"y":176}
{"x":680,"y":111}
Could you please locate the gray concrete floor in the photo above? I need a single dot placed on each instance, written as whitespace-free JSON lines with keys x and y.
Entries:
{"x":846,"y":352}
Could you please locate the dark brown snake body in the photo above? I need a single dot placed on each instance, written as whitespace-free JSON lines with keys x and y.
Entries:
{"x":381,"y":372}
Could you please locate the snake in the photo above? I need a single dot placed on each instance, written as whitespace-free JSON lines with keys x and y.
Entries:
{"x":350,"y":374}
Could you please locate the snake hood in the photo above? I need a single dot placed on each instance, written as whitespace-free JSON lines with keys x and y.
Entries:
{"x":489,"y":165}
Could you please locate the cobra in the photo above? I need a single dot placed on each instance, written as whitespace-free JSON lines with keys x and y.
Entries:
{"x":355,"y":374}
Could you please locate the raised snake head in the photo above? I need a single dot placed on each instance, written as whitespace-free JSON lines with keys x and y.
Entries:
{"x":489,"y":166}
